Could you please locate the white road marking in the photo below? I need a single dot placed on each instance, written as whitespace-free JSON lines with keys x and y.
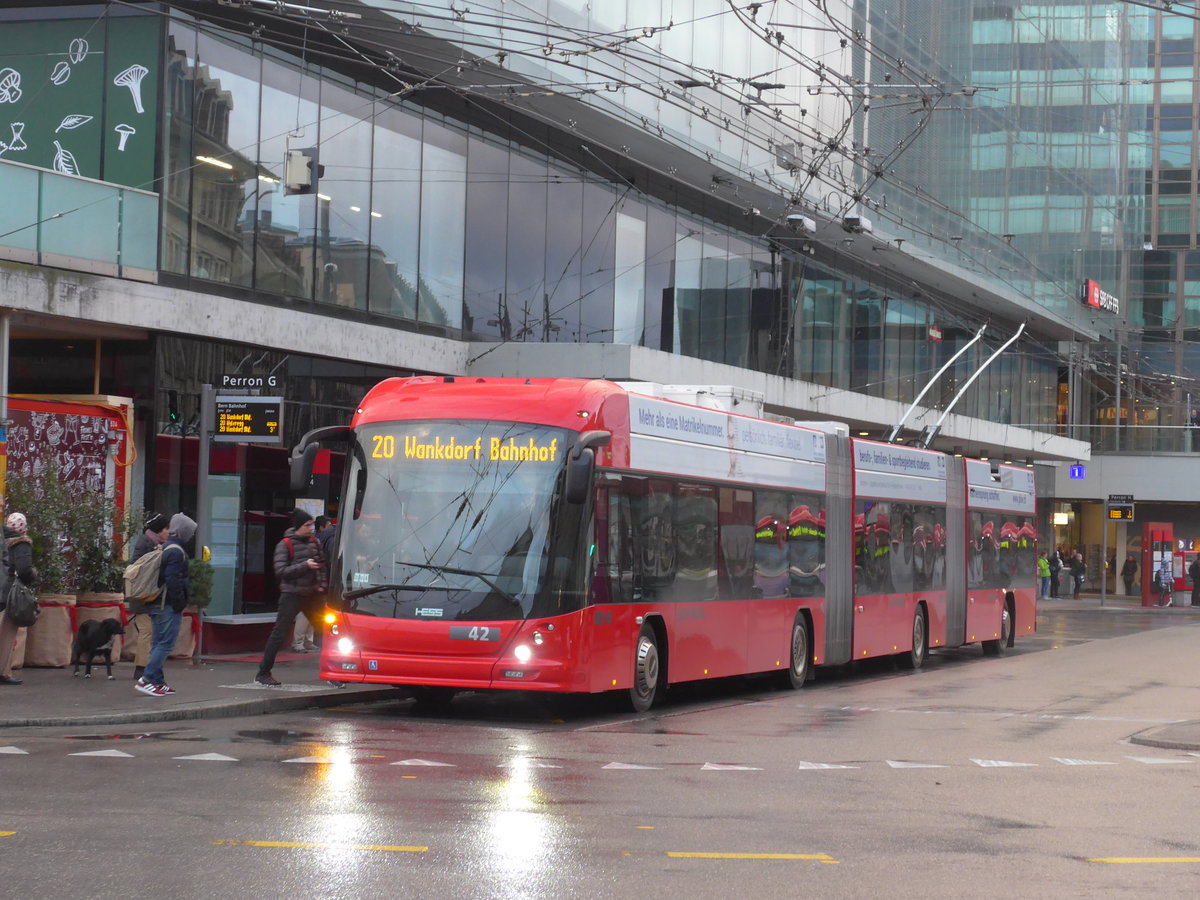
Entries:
{"x":309,"y":759}
{"x":209,"y":757}
{"x":992,"y":714}
{"x":113,"y":753}
{"x":14,"y":750}
{"x":816,"y":765}
{"x":420,"y":762}
{"x":1158,"y":760}
{"x":1066,"y":761}
{"x":621,"y":765}
{"x":901,"y":764}
{"x":528,"y":763}
{"x":728,"y":767}
{"x":1000,"y":763}
{"x":284,"y":688}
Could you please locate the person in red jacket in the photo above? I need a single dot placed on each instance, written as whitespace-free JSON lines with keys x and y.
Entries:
{"x":300,"y":571}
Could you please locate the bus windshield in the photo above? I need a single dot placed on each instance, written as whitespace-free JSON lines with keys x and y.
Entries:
{"x":449,"y":520}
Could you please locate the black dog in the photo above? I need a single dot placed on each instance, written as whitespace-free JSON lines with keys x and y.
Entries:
{"x":94,"y":638}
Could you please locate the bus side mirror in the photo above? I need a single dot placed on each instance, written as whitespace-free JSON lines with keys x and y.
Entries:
{"x":302,"y":467}
{"x":579,"y":475}
{"x":581,"y":460}
{"x":304,"y":454}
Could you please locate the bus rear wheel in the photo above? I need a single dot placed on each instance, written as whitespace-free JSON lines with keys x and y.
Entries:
{"x":1000,"y":645}
{"x":647,"y":671}
{"x":797,"y":672}
{"x":915,"y":658}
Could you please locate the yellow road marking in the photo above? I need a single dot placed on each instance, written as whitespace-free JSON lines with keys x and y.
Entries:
{"x":297,"y":845}
{"x":1146,"y":859}
{"x":7,"y":833}
{"x":819,"y":857}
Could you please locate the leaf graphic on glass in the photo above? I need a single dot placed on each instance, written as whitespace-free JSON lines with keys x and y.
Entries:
{"x":64,"y":161}
{"x":132,"y":79}
{"x":10,"y":85}
{"x":78,"y":50}
{"x":61,"y":73}
{"x":72,"y":121}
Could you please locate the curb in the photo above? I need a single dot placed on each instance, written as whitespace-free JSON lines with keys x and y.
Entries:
{"x":1158,"y":736}
{"x":208,"y":709}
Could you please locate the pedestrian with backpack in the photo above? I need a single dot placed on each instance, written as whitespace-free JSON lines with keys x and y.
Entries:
{"x":18,"y":563}
{"x":300,"y":571}
{"x":166,"y":610}
{"x":152,"y":537}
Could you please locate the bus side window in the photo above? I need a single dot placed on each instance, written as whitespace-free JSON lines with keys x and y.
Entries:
{"x":655,"y":552}
{"x":736,"y":560}
{"x":616,"y":562}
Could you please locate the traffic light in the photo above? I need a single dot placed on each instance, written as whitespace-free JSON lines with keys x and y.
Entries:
{"x":301,"y":171}
{"x":173,"y":407}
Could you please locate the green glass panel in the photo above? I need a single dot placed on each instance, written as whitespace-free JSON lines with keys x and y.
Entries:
{"x":88,"y":216}
{"x":18,"y":212}
{"x":131,"y":107}
{"x":139,"y":230}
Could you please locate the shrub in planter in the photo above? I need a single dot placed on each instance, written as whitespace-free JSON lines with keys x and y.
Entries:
{"x":79,"y":535}
{"x":200,"y":579}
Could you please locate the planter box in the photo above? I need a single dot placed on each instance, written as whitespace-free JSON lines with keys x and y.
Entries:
{"x":48,"y":641}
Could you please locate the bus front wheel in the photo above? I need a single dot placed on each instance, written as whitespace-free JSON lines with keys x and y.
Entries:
{"x":647,"y":672}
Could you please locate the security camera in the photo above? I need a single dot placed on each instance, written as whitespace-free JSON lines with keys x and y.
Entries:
{"x":800,"y":223}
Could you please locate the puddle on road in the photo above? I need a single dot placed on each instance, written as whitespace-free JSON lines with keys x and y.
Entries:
{"x":138,"y":736}
{"x":280,"y":736}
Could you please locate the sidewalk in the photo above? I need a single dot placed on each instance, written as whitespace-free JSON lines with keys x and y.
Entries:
{"x":218,"y":687}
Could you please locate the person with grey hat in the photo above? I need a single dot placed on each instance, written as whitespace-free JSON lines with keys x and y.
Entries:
{"x":157,"y":529}
{"x":166,"y":613}
{"x":300,"y":571}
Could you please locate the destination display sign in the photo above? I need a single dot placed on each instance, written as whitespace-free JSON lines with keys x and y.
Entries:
{"x":251,"y":420}
{"x":453,"y":447}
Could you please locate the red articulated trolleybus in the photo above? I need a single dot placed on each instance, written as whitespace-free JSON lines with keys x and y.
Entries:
{"x":577,"y":536}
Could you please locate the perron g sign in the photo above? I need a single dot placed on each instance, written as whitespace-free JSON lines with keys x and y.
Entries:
{"x":250,"y":420}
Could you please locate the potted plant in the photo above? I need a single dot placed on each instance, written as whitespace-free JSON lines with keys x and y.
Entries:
{"x":200,"y":580}
{"x":46,"y":501}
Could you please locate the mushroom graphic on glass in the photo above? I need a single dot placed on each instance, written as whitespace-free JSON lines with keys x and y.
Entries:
{"x":132,"y":79}
{"x":124,"y":131}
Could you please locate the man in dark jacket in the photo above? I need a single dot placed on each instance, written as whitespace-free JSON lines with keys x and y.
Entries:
{"x":154,"y":535}
{"x":166,"y":613}
{"x":300,"y":571}
{"x":20,"y":565}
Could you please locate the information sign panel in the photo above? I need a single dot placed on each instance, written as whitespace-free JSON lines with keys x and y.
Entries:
{"x":250,"y":420}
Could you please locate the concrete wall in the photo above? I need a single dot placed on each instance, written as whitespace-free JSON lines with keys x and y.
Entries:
{"x":81,"y":300}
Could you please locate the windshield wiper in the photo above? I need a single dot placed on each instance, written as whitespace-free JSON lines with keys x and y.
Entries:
{"x":486,"y":579}
{"x":377,"y":588}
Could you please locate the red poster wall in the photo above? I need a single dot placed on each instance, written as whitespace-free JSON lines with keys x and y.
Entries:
{"x":89,"y":441}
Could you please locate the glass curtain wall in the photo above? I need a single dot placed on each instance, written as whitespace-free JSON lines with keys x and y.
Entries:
{"x":435,"y":223}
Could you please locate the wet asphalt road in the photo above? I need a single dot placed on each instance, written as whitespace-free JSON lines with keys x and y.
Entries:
{"x":972,"y":777}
